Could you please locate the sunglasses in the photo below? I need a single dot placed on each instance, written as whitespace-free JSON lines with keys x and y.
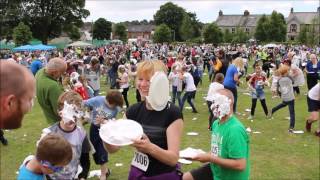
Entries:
{"x":48,"y":165}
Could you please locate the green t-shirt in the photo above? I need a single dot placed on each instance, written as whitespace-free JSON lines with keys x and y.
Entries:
{"x":230,"y":140}
{"x":48,"y":92}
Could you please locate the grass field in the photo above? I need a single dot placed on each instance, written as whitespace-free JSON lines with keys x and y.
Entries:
{"x":275,"y":154}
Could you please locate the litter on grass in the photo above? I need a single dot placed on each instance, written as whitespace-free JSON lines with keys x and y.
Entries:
{"x":192,"y":134}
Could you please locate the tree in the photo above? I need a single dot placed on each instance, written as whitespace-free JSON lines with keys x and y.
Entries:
{"x":195,"y":24}
{"x":102,"y":29}
{"x":171,"y":15}
{"x":212,"y":34}
{"x":74,"y":33}
{"x":120,"y":31}
{"x":22,"y":34}
{"x":240,"y":36}
{"x":261,"y":33}
{"x":277,"y":27}
{"x":47,"y":19}
{"x":186,"y":29}
{"x":303,"y":35}
{"x":227,"y":36}
{"x":162,"y":34}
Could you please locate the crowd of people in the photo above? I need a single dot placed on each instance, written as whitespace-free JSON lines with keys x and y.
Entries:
{"x":70,"y":81}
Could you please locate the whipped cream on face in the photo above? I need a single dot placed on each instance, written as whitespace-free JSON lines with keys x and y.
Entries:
{"x":70,"y":112}
{"x":220,"y":105}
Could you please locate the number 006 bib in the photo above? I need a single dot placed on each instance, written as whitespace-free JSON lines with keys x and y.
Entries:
{"x":140,"y":161}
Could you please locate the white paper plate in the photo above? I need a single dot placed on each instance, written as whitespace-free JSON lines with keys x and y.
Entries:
{"x":159,"y":91}
{"x":190,"y":152}
{"x":184,"y":161}
{"x":120,"y":132}
{"x":192,"y":134}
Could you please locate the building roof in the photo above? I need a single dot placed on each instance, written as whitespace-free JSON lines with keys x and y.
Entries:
{"x":302,"y":17}
{"x":141,"y":28}
{"x":238,"y":20}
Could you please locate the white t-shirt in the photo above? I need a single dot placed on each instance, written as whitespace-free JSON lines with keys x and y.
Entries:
{"x":314,"y":93}
{"x":125,"y":78}
{"x":213,"y":88}
{"x":189,"y":82}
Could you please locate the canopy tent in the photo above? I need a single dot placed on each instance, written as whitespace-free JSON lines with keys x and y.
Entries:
{"x":270,"y":45}
{"x":79,"y":44}
{"x":39,"y":47}
{"x":22,"y":48}
{"x":99,"y":43}
{"x":35,"y":42}
{"x":8,"y":45}
{"x":60,"y":42}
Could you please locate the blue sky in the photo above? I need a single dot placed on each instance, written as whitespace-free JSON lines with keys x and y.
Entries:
{"x":206,"y":10}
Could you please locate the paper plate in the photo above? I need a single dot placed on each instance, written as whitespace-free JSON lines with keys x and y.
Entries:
{"x":120,"y":132}
{"x":190,"y":152}
{"x":159,"y":91}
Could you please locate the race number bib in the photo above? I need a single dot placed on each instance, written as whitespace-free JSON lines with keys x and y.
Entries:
{"x":215,"y":149}
{"x":140,"y":161}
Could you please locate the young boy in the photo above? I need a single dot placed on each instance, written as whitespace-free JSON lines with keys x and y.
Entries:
{"x":215,"y":85}
{"x":69,"y":107}
{"x":102,"y":108}
{"x":285,"y":84}
{"x":53,"y":153}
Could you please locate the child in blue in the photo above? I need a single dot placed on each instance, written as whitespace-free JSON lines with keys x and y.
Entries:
{"x":53,"y":153}
{"x":102,"y":108}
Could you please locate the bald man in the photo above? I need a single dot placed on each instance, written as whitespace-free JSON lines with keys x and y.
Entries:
{"x":49,"y":89}
{"x":17,"y":90}
{"x":229,"y":155}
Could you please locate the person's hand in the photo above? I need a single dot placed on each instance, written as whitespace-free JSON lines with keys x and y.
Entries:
{"x":202,"y":157}
{"x":143,"y":145}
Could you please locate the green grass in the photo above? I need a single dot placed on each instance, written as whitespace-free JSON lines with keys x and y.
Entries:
{"x":275,"y":154}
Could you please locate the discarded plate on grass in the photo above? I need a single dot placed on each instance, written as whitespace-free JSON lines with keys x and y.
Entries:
{"x":288,"y":118}
{"x":248,"y":110}
{"x":192,"y":134}
{"x":118,"y":164}
{"x":298,"y":132}
{"x":94,"y":173}
{"x":193,"y":119}
{"x":247,"y":94}
{"x":248,"y":129}
{"x":188,"y":107}
{"x":256,"y":132}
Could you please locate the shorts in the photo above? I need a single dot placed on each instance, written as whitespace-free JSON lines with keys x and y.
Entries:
{"x":202,"y":173}
{"x":313,"y":105}
{"x":101,"y":155}
{"x":258,"y":94}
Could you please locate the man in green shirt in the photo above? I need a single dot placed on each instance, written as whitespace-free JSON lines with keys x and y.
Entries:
{"x":229,"y":156}
{"x":49,"y":89}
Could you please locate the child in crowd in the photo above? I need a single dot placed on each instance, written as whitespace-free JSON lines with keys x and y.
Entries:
{"x":92,"y":73}
{"x":285,"y":87}
{"x":69,"y":107}
{"x":102,"y":108}
{"x":274,"y":83}
{"x":176,"y":83}
{"x":53,"y":153}
{"x":256,"y":84}
{"x":215,"y":85}
{"x":123,"y":80}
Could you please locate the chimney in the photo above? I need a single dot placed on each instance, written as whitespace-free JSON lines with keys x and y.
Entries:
{"x":220,"y":13}
{"x":291,"y":10}
{"x":246,"y":13}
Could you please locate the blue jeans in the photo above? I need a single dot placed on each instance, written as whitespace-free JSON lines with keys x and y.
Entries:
{"x":189,"y":97}
{"x":176,"y":93}
{"x":291,"y":111}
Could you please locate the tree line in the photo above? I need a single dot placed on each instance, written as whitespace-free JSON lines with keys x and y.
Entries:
{"x":23,"y":20}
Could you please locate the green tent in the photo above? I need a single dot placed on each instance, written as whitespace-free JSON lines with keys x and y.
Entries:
{"x":34,"y":42}
{"x":6,"y":45}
